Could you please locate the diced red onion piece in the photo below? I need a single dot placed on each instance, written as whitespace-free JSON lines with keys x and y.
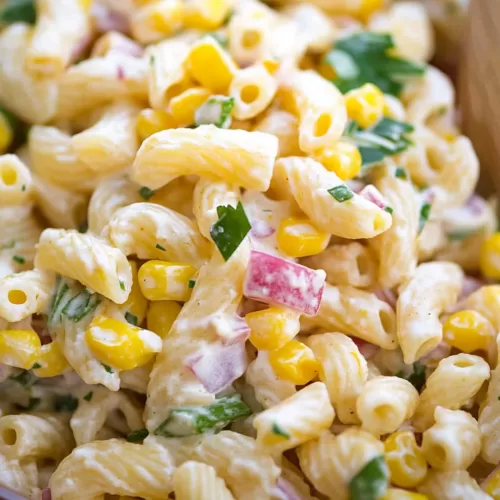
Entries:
{"x":365,"y":348}
{"x":387,"y":295}
{"x":120,"y":73}
{"x":371,"y":193}
{"x":109,"y":20}
{"x":218,"y":366}
{"x":274,"y":280}
{"x":261,"y":229}
{"x":476,"y":204}
{"x":46,"y":494}
{"x":286,"y":491}
{"x":230,"y":328}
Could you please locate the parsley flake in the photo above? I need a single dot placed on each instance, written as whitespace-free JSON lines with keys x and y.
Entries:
{"x":159,"y":247}
{"x":216,"y":110}
{"x":137,"y":436}
{"x":23,"y":187}
{"x":122,"y":285}
{"x":108,"y":368}
{"x":276,"y":429}
{"x":146,"y":193}
{"x":416,"y":377}
{"x":131,"y":318}
{"x":32,"y":404}
{"x":341,"y":193}
{"x":65,"y":402}
{"x":425,"y":212}
{"x":88,"y":396}
{"x":389,"y":210}
{"x":26,"y":378}
{"x":191,"y":283}
{"x":18,"y":259}
{"x":36,"y":366}
{"x":371,"y":481}
{"x":400,"y":173}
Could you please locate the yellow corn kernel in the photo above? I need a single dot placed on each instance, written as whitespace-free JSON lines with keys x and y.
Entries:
{"x":365,"y":105}
{"x":397,"y":494}
{"x":160,"y":280}
{"x":272,"y":328}
{"x":489,"y":260}
{"x":271,"y":65}
{"x":210,"y":65}
{"x":161,"y":316}
{"x":136,"y":304}
{"x":206,"y":14}
{"x":86,"y":4}
{"x":405,"y":459}
{"x":149,"y":121}
{"x":368,"y":7}
{"x":183,"y":107}
{"x":6,"y":135}
{"x":468,"y":331}
{"x":300,"y":238}
{"x":294,"y":362}
{"x":492,"y":485}
{"x":165,"y":16}
{"x":121,"y":345}
{"x":343,"y":158}
{"x":19,"y":348}
{"x":51,"y":361}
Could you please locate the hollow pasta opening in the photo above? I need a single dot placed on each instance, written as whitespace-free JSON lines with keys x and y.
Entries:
{"x":8,"y":175}
{"x":322,"y":125}
{"x":383,"y":412}
{"x":438,"y":453}
{"x":249,"y":94}
{"x":251,"y":39}
{"x":410,"y":461}
{"x":17,"y":297}
{"x":463,"y":363}
{"x":9,"y":436}
{"x":363,"y":265}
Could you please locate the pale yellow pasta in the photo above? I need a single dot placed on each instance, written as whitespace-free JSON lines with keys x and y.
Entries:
{"x":320,"y":107}
{"x":394,"y":108}
{"x":25,"y":293}
{"x":141,"y":227}
{"x":114,"y":41}
{"x":253,"y":90}
{"x":110,"y":144}
{"x":137,"y":379}
{"x":486,"y":301}
{"x":431,"y":240}
{"x":434,"y":287}
{"x":198,"y":481}
{"x":356,"y":312}
{"x":177,"y":195}
{"x":32,"y":99}
{"x":20,"y":475}
{"x":207,"y":196}
{"x":295,"y":420}
{"x":60,"y":27}
{"x":344,"y":371}
{"x":236,"y":156}
{"x":35,"y":436}
{"x":16,"y":185}
{"x":453,"y":442}
{"x":268,"y":388}
{"x":90,"y":260}
{"x":352,"y":264}
{"x":99,"y":80}
{"x":293,"y":476}
{"x":90,"y":416}
{"x":114,"y":467}
{"x":456,"y":380}
{"x":283,"y":125}
{"x":330,"y":462}
{"x":238,"y":460}
{"x":452,"y":485}
{"x":309,"y":183}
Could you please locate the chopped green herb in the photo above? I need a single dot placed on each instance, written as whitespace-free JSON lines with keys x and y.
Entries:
{"x":83,"y":227}
{"x":416,"y":377}
{"x":365,"y":58}
{"x":18,"y":11}
{"x":36,"y":366}
{"x":267,"y":211}
{"x":9,"y":245}
{"x":26,"y":378}
{"x":146,"y":193}
{"x":122,"y":285}
{"x":59,"y":301}
{"x":66,"y":402}
{"x":389,"y":210}
{"x":459,"y":235}
{"x":88,"y":396}
{"x":199,"y":419}
{"x":230,"y":230}
{"x":81,"y":305}
{"x":191,"y":283}
{"x":341,"y":193}
{"x":159,"y":247}
{"x":18,"y":259}
{"x":32,"y":404}
{"x":400,"y":173}
{"x":151,"y":60}
{"x":371,"y":481}
{"x":425,"y":211}
{"x":137,"y":436}
{"x":131,"y":318}
{"x":216,"y":110}
{"x":23,"y":188}
{"x":219,"y":38}
{"x":108,"y":368}
{"x":276,"y":429}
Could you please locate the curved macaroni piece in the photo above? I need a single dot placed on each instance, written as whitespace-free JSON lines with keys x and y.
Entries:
{"x":344,"y":371}
{"x":236,"y":156}
{"x":35,"y":436}
{"x":141,"y":228}
{"x":295,"y":420}
{"x":20,"y":475}
{"x":456,"y":380}
{"x":350,"y":265}
{"x":434,"y":287}
{"x":90,"y":260}
{"x":452,"y":485}
{"x":90,"y":416}
{"x":268,"y":388}
{"x":453,"y":442}
{"x":356,"y":312}
{"x":32,"y":99}
{"x":177,"y":195}
{"x":111,"y":143}
{"x":486,"y":301}
{"x":25,"y":293}
{"x":198,"y":481}
{"x":15,"y":181}
{"x":59,"y":27}
{"x":319,"y":105}
{"x":247,"y":470}
{"x":114,"y":467}
{"x":114,"y":41}
{"x":309,"y":183}
{"x":385,"y":403}
{"x":431,"y":240}
{"x":137,"y":379}
{"x":330,"y":462}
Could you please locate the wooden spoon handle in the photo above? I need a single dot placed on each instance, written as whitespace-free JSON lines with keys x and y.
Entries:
{"x":479,"y":87}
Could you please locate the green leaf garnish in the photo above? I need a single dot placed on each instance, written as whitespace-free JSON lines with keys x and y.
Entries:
{"x":146,"y":193}
{"x":58,"y":301}
{"x":18,"y":11}
{"x":276,"y":429}
{"x":137,"y":436}
{"x":371,"y":481}
{"x":341,"y":193}
{"x":199,"y":419}
{"x":230,"y":230}
{"x":108,"y":368}
{"x":425,"y":212}
{"x":460,"y":235}
{"x":18,"y":259}
{"x":32,"y":404}
{"x":66,"y":402}
{"x":131,"y":318}
{"x":365,"y":58}
{"x":81,"y":305}
{"x":400,"y":173}
{"x":389,"y":210}
{"x":416,"y":377}
{"x":88,"y":396}
{"x":159,"y":247}
{"x":26,"y":378}
{"x":191,"y":283}
{"x":216,"y":110}
{"x":36,"y":366}
{"x":122,"y":285}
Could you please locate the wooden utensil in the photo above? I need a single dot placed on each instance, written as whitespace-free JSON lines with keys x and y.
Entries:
{"x":479,"y":89}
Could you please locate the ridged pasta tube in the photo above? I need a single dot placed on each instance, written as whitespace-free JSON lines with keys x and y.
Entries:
{"x":16,"y":183}
{"x":452,"y":485}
